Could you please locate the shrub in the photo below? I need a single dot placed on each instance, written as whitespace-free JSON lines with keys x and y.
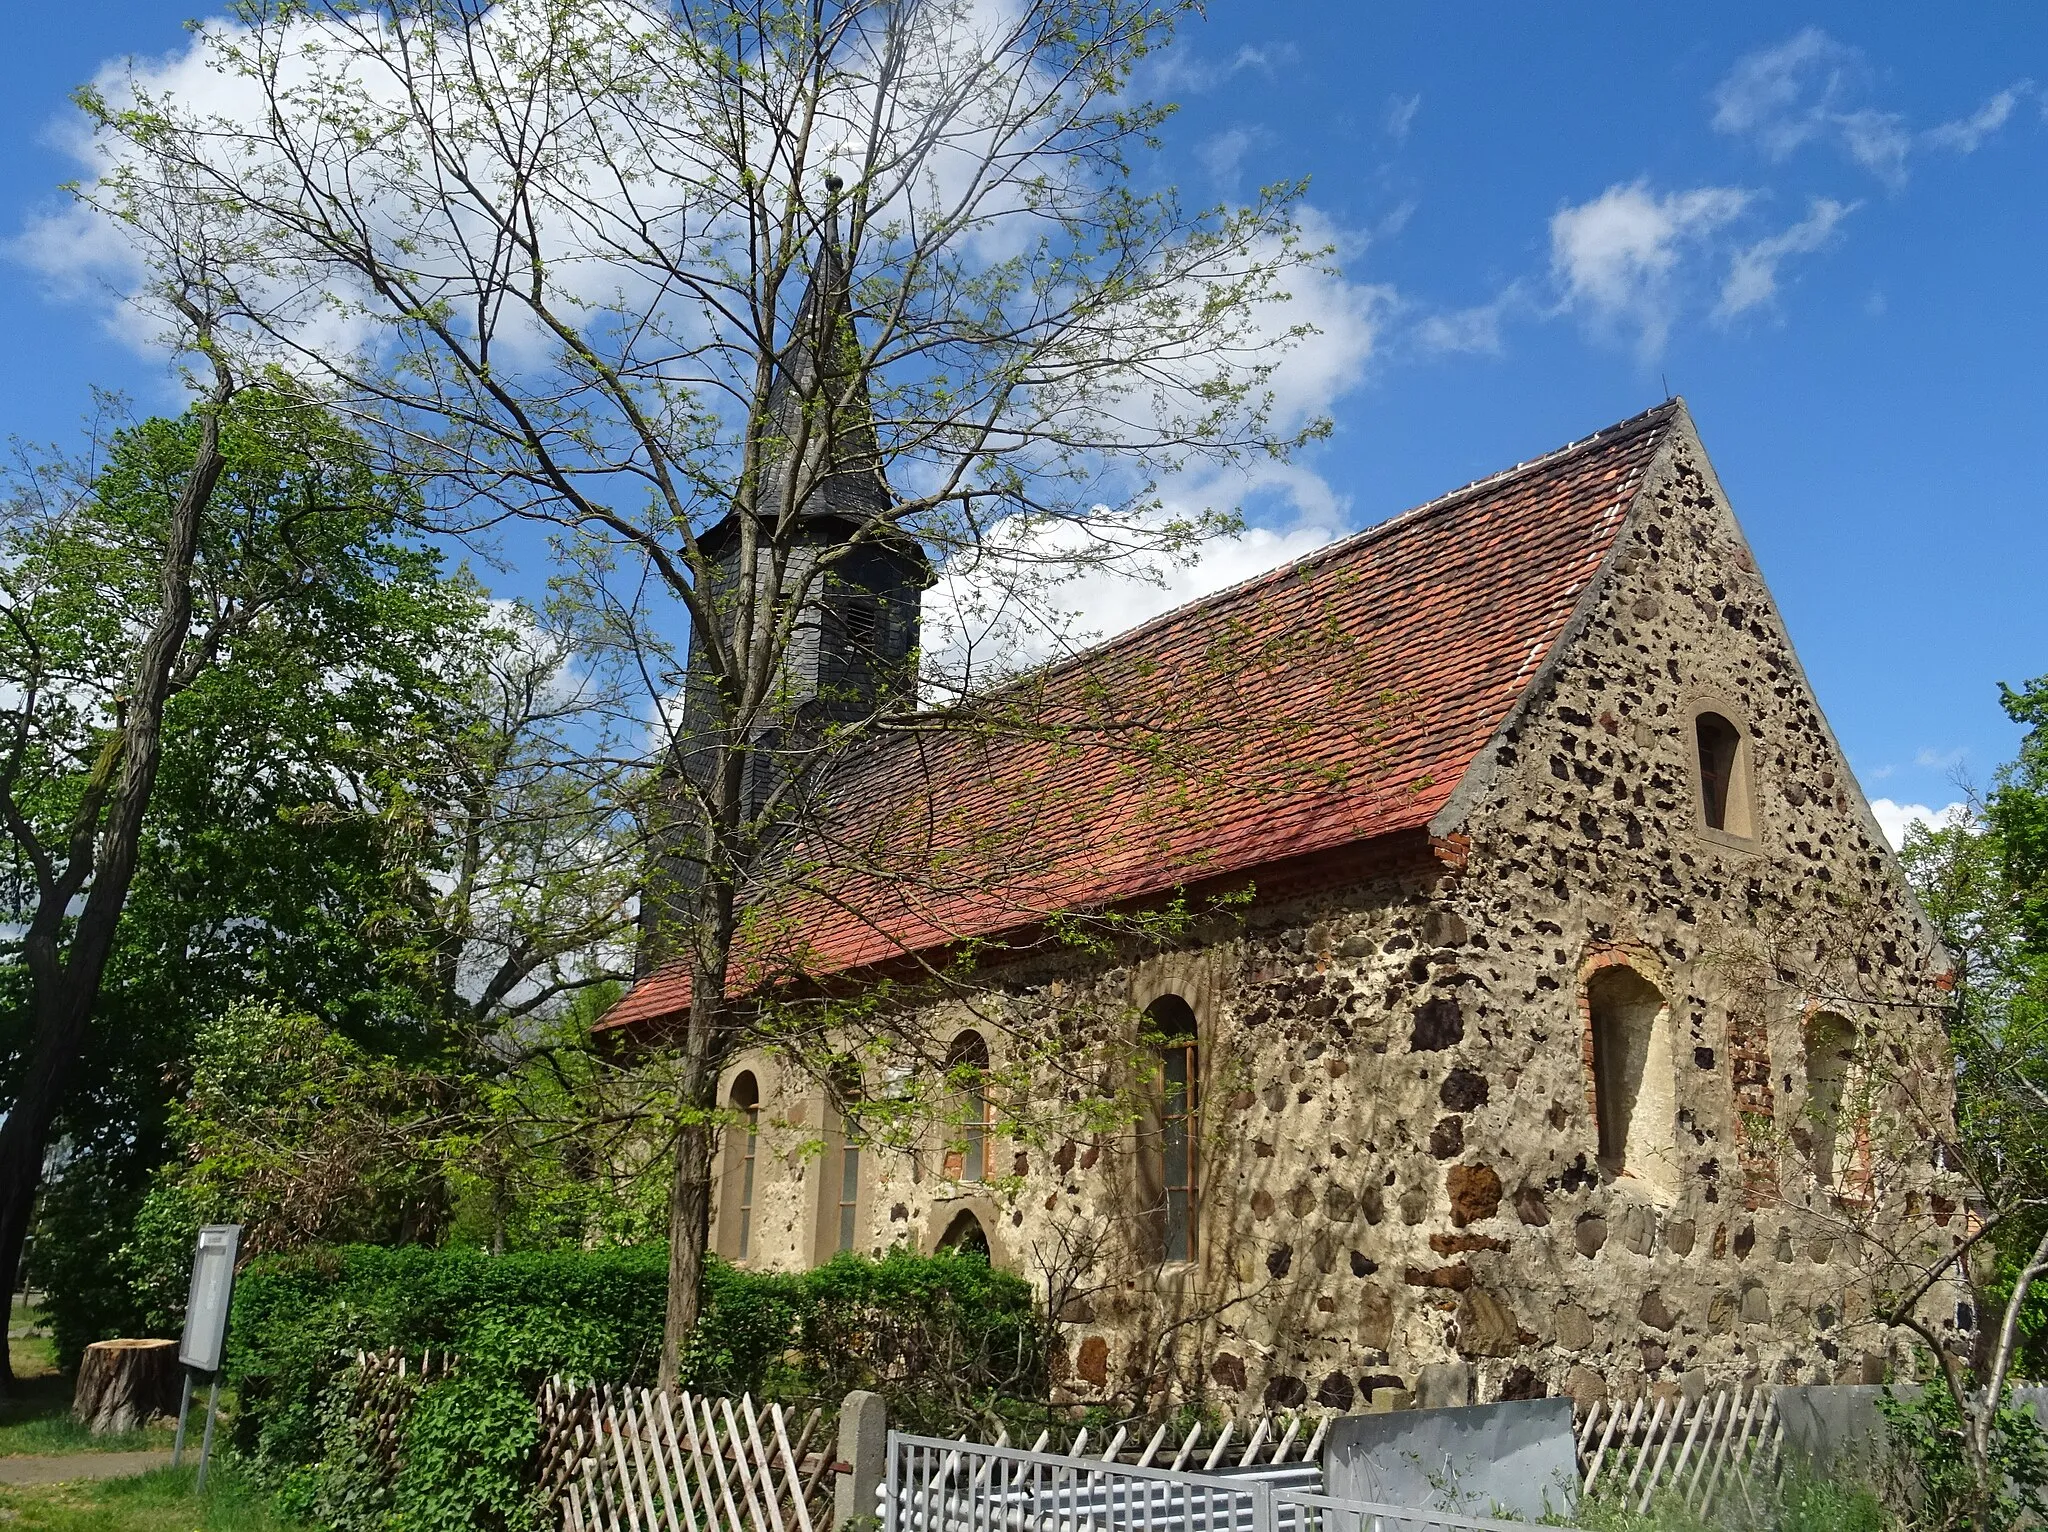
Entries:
{"x":513,"y":1319}
{"x":943,"y":1337}
{"x":1927,"y":1435}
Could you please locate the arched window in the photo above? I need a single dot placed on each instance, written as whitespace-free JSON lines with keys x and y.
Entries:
{"x":745,"y":1100}
{"x":966,"y":1235}
{"x":1838,"y":1126}
{"x":1723,"y":768}
{"x":1634,"y":1085}
{"x":967,"y":1069}
{"x":1173,"y":1166}
{"x":846,"y":1207}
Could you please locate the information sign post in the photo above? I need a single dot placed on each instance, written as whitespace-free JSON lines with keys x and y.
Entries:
{"x":206,"y":1329}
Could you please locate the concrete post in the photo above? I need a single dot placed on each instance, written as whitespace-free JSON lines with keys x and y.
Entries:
{"x":863,"y":1456}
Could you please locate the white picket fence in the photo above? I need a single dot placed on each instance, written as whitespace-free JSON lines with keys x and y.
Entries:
{"x":1287,"y":1447}
{"x":1722,"y":1444}
{"x":935,"y":1485}
{"x":637,"y":1460}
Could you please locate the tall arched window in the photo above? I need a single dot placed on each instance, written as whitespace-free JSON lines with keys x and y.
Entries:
{"x":1174,"y":1163}
{"x":1634,"y":1084}
{"x":1835,"y":1119}
{"x":846,"y":1207}
{"x":742,"y":1155}
{"x":967,"y":1069}
{"x":1722,"y":762}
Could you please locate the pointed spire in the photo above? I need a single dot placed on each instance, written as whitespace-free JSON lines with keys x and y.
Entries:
{"x":820,"y":398}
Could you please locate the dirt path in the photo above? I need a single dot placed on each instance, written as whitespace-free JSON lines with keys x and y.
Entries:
{"x":79,"y":1465}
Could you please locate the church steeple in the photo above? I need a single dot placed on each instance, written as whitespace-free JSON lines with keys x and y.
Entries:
{"x":820,"y":496}
{"x":819,"y":402}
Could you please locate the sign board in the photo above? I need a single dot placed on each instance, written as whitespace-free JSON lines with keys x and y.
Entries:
{"x":206,"y":1309}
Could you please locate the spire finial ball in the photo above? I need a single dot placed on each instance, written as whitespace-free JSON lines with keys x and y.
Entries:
{"x":833,"y":185}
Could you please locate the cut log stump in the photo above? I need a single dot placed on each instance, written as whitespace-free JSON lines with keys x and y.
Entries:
{"x":122,"y":1383}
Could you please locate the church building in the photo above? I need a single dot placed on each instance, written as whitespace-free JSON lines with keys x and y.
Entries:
{"x":1448,"y":960}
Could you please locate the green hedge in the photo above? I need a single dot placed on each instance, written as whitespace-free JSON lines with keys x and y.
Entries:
{"x":943,"y":1336}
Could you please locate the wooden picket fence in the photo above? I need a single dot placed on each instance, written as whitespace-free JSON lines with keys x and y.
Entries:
{"x":386,"y":1384}
{"x":620,"y":1459}
{"x":1702,"y":1451}
{"x":640,"y":1460}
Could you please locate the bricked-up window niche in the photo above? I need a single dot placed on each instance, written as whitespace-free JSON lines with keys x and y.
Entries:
{"x":1173,"y":1170}
{"x":1722,"y":764}
{"x":742,"y":1158}
{"x":967,"y":1069}
{"x":1837,"y":1125}
{"x":1634,"y":1081}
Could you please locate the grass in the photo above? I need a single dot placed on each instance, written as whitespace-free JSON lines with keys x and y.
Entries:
{"x":1798,"y":1505}
{"x":35,"y":1420}
{"x":161,"y":1501}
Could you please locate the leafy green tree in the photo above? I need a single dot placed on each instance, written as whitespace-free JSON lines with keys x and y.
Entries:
{"x":377,"y":822}
{"x":2017,"y":811}
{"x":1983,"y":881}
{"x":125,"y":580}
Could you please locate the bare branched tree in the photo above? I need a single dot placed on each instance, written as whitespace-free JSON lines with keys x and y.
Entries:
{"x":767,"y":310}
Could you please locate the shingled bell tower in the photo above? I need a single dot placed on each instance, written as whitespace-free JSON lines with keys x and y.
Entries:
{"x":822,"y":498}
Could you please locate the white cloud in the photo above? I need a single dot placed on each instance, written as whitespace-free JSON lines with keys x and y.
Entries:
{"x":1753,"y":274}
{"x":1032,"y":592}
{"x":1224,"y":155}
{"x":1615,"y":257}
{"x":1028,"y":599}
{"x":1877,"y":141}
{"x":1401,"y":112}
{"x":1812,"y":89}
{"x":1766,"y":97}
{"x":1184,"y":70}
{"x":1967,"y":134}
{"x":1800,"y":92}
{"x":1896,"y":818}
{"x":1472,"y":331}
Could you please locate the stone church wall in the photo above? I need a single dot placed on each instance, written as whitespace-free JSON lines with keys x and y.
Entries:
{"x":1400,"y":1154}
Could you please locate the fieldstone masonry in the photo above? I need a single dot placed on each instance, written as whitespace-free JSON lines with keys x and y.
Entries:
{"x":1401,"y":1183}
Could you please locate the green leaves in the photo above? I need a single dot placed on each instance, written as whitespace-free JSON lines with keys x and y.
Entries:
{"x":2018,"y":813}
{"x":948,"y":1340}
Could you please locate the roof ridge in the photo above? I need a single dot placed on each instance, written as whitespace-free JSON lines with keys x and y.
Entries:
{"x":1634,"y":425}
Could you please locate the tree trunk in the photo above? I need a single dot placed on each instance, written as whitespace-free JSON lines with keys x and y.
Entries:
{"x":123,"y":1383}
{"x":706,"y":1037}
{"x":99,"y":862}
{"x":688,"y":1233}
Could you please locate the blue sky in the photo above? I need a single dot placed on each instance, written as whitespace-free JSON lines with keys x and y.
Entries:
{"x":1826,"y":227}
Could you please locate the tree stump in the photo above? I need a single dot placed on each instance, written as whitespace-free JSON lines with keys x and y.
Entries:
{"x":122,"y":1383}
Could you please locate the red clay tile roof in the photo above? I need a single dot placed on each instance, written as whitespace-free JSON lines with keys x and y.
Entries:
{"x":1332,"y":702}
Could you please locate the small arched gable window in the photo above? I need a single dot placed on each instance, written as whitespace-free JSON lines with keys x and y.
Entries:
{"x":745,"y":1100}
{"x":967,"y":1070}
{"x":1721,"y":759}
{"x":1176,"y":1148}
{"x":1634,"y":1083}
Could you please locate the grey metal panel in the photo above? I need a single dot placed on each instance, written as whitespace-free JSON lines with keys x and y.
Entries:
{"x":1518,"y":1457}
